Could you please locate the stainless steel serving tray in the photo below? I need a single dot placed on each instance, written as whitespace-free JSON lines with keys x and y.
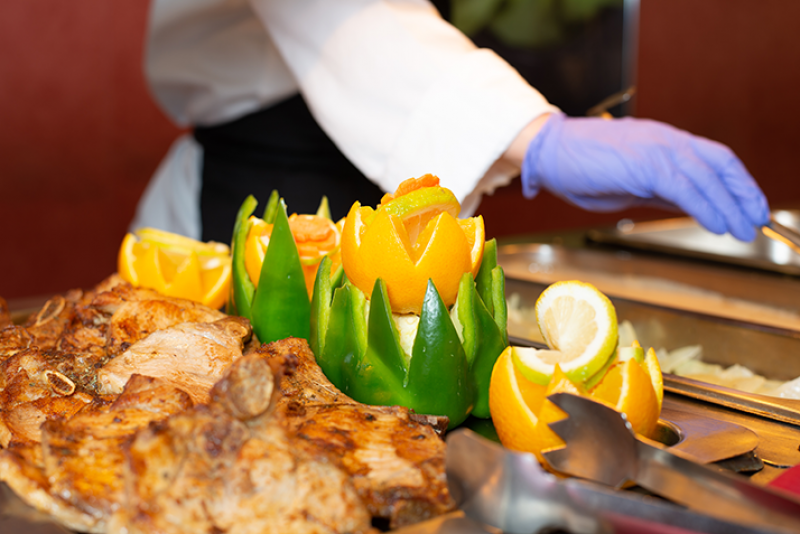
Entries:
{"x":685,"y":237}
{"x":733,"y":313}
{"x":771,"y":351}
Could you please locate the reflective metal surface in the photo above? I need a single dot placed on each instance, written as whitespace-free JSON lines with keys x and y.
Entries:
{"x":785,"y":234}
{"x":601,"y":446}
{"x":768,"y":350}
{"x":685,"y":237}
{"x":510,"y":491}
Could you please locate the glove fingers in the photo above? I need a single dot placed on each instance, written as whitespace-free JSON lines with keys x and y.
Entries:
{"x":736,"y":178}
{"x":702,"y":194}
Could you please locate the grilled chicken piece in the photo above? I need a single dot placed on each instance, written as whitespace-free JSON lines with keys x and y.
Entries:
{"x":31,"y":390}
{"x":49,"y":366}
{"x":77,"y":474}
{"x":303,"y":382}
{"x":231,"y":467}
{"x":191,"y":356}
{"x":136,"y":313}
{"x":396,"y":463}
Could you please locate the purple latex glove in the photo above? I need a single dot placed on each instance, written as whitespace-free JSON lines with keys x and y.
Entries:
{"x":610,"y":165}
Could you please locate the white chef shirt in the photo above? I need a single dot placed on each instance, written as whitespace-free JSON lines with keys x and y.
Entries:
{"x":400,"y":91}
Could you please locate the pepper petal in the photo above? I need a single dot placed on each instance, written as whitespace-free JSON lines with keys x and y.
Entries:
{"x":243,"y":289}
{"x":438,"y":376}
{"x":321,"y":300}
{"x":483,"y":280}
{"x":379,"y":376}
{"x":281,"y":307}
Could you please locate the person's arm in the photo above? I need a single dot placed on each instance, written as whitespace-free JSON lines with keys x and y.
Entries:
{"x":402,"y":92}
{"x":609,"y":165}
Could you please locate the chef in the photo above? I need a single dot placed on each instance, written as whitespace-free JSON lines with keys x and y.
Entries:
{"x":348,"y":98}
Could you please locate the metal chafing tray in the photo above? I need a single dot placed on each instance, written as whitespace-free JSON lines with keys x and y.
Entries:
{"x":728,"y":334}
{"x":685,"y":237}
{"x":738,"y":316}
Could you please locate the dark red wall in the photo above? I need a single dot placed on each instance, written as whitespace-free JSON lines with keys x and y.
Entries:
{"x":78,"y":142}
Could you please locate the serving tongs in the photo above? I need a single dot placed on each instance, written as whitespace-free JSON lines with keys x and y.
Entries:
{"x":601,"y":447}
{"x":779,"y":232}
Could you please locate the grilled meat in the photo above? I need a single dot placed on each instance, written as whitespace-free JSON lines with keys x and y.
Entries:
{"x":273,"y":447}
{"x":51,"y":365}
{"x":396,"y":463}
{"x":138,"y":312}
{"x":231,"y":467}
{"x":192,"y":356}
{"x":76,"y":475}
{"x":31,"y":389}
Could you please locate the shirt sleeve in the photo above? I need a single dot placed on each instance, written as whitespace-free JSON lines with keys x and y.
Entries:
{"x":402,"y":92}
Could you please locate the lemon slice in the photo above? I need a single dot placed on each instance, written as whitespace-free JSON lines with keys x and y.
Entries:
{"x":537,"y":365}
{"x":579,"y":324}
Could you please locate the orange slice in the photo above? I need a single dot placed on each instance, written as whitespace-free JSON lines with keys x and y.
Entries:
{"x":176,"y":266}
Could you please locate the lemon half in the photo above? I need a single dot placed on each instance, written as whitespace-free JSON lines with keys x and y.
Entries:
{"x":579,"y":324}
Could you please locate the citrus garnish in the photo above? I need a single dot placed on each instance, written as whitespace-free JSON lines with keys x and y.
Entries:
{"x":545,"y":438}
{"x":628,"y":388}
{"x":410,"y":239}
{"x":255,"y":247}
{"x":653,"y":369}
{"x":622,"y":354}
{"x":475,"y":233}
{"x":514,"y":402}
{"x":537,"y":365}
{"x":176,"y":266}
{"x":580,"y":324}
{"x":627,"y":379}
{"x":315,"y":236}
{"x":417,"y":201}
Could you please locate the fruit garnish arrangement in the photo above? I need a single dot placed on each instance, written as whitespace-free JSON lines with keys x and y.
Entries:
{"x":579,"y":324}
{"x":404,"y":304}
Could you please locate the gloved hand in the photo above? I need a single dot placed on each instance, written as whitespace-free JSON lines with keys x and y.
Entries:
{"x":610,"y":165}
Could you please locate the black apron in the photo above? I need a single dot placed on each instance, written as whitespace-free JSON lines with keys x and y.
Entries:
{"x":282,"y":148}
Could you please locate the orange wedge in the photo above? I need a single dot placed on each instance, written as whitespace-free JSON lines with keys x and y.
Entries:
{"x":628,"y":388}
{"x":176,"y":266}
{"x":514,"y":402}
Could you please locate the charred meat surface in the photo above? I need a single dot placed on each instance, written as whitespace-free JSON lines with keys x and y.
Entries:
{"x":231,"y":467}
{"x":110,"y":424}
{"x":192,"y":356}
{"x":76,"y":475}
{"x":137,"y":312}
{"x":396,"y":463}
{"x":50,"y":366}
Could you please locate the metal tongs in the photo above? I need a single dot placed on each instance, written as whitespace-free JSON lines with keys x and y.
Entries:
{"x":602,"y":447}
{"x":784,"y":234}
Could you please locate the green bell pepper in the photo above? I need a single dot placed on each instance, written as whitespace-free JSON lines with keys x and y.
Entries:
{"x":453,"y":353}
{"x":279,"y":306}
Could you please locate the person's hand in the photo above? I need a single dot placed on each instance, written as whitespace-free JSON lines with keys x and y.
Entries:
{"x":609,"y":165}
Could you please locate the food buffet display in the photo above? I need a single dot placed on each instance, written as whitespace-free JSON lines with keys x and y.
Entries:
{"x":325,"y":396}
